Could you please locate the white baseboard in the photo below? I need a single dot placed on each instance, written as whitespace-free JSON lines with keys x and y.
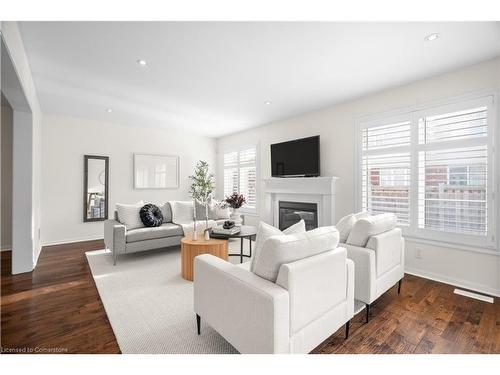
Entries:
{"x":453,"y":281}
{"x":73,"y":240}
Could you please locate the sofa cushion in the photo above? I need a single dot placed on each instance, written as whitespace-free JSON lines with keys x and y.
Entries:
{"x":369,"y":226}
{"x":264,"y":231}
{"x":166,"y":211}
{"x":344,"y":226}
{"x":346,"y":223}
{"x":182,"y":212}
{"x":150,"y":233}
{"x":222,"y":212}
{"x":128,"y":215}
{"x":361,"y":215}
{"x":201,"y":211}
{"x":282,"y":249}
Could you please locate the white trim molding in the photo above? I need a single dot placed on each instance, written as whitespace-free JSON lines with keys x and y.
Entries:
{"x":73,"y":240}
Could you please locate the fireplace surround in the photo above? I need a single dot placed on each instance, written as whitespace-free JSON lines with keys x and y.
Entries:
{"x":317,"y":190}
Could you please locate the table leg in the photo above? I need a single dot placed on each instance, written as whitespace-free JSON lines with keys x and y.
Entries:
{"x":250,"y":244}
{"x":241,"y":250}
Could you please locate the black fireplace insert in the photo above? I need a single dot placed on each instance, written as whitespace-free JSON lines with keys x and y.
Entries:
{"x":292,"y":212}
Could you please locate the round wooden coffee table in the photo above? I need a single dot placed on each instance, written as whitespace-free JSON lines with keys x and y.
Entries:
{"x":190,"y":249}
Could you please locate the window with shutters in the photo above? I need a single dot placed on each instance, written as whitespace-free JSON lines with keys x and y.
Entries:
{"x":240,"y":175}
{"x":386,"y":169}
{"x":453,"y":170}
{"x":433,"y":168}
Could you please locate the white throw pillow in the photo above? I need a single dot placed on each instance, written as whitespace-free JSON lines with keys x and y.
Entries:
{"x":299,"y":227}
{"x":361,"y":215}
{"x":265,"y":231}
{"x":128,"y":214}
{"x":182,"y":212}
{"x":346,"y":223}
{"x":369,"y":226}
{"x":344,"y":226}
{"x":282,"y":249}
{"x":221,"y":213}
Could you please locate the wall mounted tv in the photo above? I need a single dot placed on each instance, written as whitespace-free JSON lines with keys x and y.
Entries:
{"x":297,"y":158}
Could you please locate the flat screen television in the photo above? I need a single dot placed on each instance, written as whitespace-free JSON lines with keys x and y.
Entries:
{"x":297,"y":158}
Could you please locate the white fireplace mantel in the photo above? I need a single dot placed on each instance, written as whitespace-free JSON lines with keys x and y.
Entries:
{"x":319,"y":190}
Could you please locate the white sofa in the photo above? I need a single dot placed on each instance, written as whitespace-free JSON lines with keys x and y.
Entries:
{"x":378,"y":259}
{"x":311,"y":299}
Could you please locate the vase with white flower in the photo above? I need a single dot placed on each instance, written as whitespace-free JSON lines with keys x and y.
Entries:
{"x":235,"y":201}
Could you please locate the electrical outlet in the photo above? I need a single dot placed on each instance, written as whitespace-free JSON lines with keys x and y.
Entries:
{"x":418,"y":253}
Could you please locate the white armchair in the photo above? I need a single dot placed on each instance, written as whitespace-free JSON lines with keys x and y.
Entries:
{"x":311,"y":299}
{"x":379,"y":265}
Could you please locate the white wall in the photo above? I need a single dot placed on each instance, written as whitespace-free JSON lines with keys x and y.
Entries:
{"x":6,"y":188}
{"x":26,"y":236}
{"x":336,"y":126}
{"x":65,"y":140}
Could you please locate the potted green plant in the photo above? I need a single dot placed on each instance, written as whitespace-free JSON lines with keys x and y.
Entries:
{"x":202,"y":186}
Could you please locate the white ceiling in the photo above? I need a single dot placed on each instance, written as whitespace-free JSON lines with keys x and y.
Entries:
{"x":214,"y":78}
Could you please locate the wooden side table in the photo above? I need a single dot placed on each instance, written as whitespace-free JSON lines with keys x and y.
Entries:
{"x":190,"y":249}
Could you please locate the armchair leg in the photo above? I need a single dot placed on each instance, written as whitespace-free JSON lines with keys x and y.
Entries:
{"x":347,"y":329}
{"x":367,"y":312}
{"x":399,"y":286}
{"x":198,"y":323}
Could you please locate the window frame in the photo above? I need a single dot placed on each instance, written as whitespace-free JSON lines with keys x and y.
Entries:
{"x":413,"y":113}
{"x":245,"y":208}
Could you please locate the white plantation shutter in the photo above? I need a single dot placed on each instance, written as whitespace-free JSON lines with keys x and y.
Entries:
{"x":230,"y":173}
{"x":240,"y":174}
{"x":465,"y":124}
{"x":385,"y":169}
{"x":230,"y":181}
{"x":453,"y":171}
{"x":230,"y":159}
{"x":433,"y":168}
{"x":248,"y":185}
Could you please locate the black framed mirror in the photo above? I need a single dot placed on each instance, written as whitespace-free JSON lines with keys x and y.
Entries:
{"x":95,"y":187}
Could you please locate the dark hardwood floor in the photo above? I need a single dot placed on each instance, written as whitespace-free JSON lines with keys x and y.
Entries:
{"x":57,"y":308}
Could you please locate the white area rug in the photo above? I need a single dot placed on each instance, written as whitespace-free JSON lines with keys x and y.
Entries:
{"x":149,"y":304}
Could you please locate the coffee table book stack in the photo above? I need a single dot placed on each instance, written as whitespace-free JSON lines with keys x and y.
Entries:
{"x":222,"y":230}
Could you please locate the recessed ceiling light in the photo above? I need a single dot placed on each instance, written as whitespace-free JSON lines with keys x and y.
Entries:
{"x":267,"y":102}
{"x":142,"y":62}
{"x":109,"y":110}
{"x":431,"y":37}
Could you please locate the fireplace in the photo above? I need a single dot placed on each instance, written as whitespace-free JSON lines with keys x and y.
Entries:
{"x":318,"y":192}
{"x":292,"y":212}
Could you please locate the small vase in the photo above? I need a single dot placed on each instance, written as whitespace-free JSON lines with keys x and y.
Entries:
{"x":207,"y":234}
{"x":236,"y":216}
